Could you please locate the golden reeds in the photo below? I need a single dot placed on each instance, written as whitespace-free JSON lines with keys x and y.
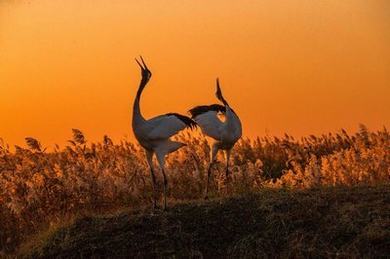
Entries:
{"x":38,"y":187}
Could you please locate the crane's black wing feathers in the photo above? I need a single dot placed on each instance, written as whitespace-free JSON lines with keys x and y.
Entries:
{"x":186,"y":120}
{"x":198,"y":110}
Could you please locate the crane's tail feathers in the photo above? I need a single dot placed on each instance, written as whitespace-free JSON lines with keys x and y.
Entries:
{"x":175,"y":145}
{"x":167,"y":147}
{"x":219,"y":93}
{"x":198,"y":110}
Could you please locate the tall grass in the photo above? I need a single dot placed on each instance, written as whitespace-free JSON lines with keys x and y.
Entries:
{"x":38,"y":188}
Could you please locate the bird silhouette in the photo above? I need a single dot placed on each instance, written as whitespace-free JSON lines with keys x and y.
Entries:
{"x":225,"y":133}
{"x":154,"y":134}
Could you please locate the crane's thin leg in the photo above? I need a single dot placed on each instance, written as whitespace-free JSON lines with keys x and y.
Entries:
{"x":149,"y":157}
{"x":227,"y":163}
{"x":227,"y":169}
{"x":165,"y":188}
{"x":214,"y":152}
{"x":208,"y":180}
{"x":161,"y":161}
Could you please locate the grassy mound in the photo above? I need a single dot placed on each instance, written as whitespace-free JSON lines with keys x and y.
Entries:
{"x":325,"y":222}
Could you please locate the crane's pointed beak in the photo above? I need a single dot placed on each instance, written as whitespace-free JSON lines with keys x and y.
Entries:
{"x":139,"y":64}
{"x":143,"y":62}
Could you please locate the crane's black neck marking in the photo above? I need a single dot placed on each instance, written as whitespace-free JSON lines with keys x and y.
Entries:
{"x":186,"y":120}
{"x":219,"y":95}
{"x":198,"y":110}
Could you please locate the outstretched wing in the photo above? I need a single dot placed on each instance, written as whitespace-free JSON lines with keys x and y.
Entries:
{"x":165,"y":126}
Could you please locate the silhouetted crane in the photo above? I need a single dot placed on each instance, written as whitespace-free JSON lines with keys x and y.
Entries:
{"x":154,"y":134}
{"x":225,"y":133}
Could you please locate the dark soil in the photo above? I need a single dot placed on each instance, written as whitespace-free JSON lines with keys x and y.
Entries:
{"x":318,"y":223}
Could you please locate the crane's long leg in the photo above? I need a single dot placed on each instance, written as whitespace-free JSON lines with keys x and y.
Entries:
{"x":227,"y":169}
{"x":161,"y":160}
{"x":149,"y":157}
{"x":214,"y":152}
{"x":227,"y":163}
{"x":208,"y":180}
{"x":165,"y":188}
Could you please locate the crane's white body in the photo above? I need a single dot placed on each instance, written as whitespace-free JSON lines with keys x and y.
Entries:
{"x":225,"y":133}
{"x":154,"y":134}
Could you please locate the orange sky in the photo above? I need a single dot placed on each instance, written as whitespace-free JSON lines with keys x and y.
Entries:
{"x":297,"y":66}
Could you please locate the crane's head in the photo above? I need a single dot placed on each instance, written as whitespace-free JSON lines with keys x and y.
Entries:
{"x":219,"y":93}
{"x":145,"y":72}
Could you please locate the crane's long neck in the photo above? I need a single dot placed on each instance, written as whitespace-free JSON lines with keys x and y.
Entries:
{"x":137,"y":116}
{"x":231,"y":119}
{"x":228,"y":113}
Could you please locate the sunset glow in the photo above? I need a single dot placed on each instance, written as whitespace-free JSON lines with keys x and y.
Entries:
{"x":300,"y":67}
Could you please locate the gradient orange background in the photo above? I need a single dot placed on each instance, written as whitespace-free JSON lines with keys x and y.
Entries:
{"x":298,"y":66}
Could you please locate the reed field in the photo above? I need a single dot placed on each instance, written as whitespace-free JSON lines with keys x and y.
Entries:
{"x":41,"y":188}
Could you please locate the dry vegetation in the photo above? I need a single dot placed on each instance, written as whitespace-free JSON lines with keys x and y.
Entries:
{"x":39,"y":188}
